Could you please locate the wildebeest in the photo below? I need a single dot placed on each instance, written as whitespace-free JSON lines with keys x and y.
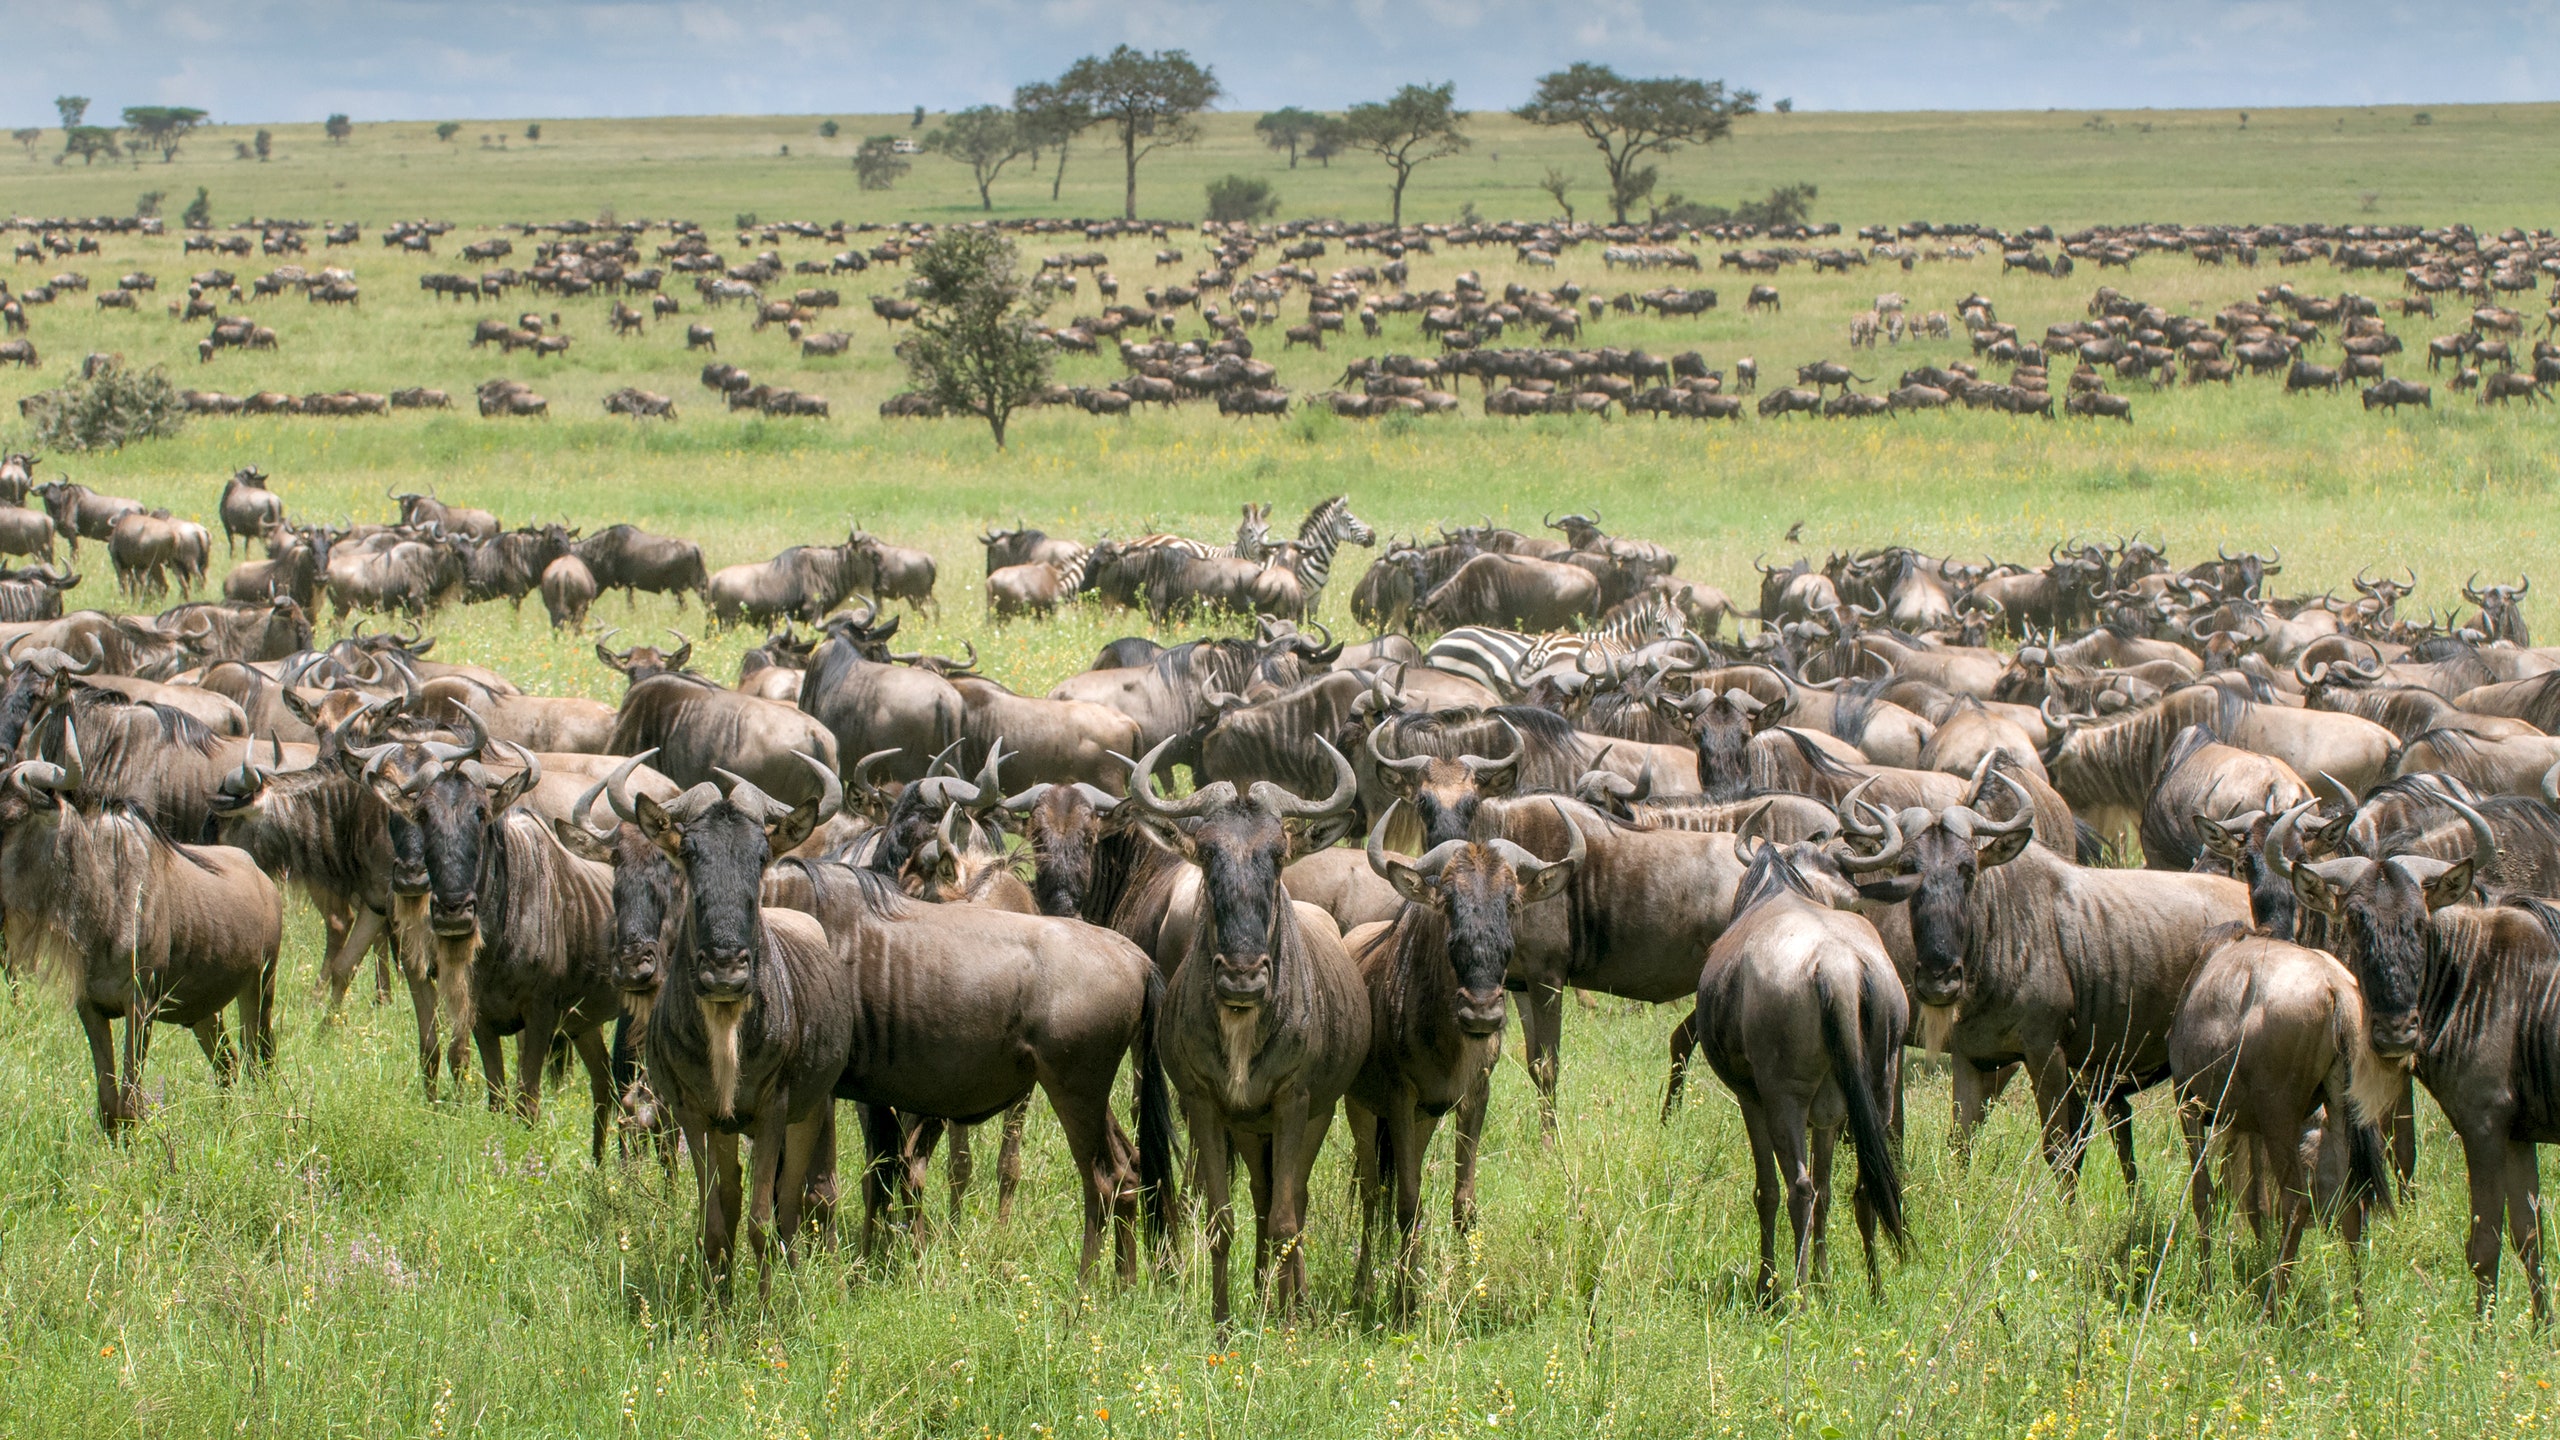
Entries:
{"x":701,"y":728}
{"x":1435,"y":980}
{"x":145,"y":929}
{"x":870,"y":705}
{"x":568,"y":588}
{"x":1512,"y":592}
{"x":630,"y":559}
{"x":417,"y":509}
{"x":1266,"y":1021}
{"x":248,"y":507}
{"x":2466,"y":998}
{"x":802,"y":583}
{"x":1801,"y":1015}
{"x":80,"y":513}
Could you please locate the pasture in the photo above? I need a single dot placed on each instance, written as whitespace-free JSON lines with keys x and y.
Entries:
{"x":321,"y":1252}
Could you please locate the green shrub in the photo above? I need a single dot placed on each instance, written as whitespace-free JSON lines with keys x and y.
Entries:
{"x":109,"y":405}
{"x":1241,"y":197}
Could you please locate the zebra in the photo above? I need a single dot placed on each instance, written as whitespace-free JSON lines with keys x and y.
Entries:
{"x":1505,"y":661}
{"x":1292,"y":580}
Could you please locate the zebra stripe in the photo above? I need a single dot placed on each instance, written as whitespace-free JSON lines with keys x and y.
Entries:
{"x":1503,"y":660}
{"x":1319,"y":536}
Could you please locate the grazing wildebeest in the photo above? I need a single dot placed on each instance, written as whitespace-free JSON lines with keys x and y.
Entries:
{"x":1266,"y":1020}
{"x":80,"y":513}
{"x":248,"y":507}
{"x":146,"y":930}
{"x":630,"y":559}
{"x":416,"y":509}
{"x":1435,"y":977}
{"x":2466,"y":997}
{"x":1801,"y":1015}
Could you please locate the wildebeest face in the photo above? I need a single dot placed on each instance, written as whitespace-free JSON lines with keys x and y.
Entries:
{"x":1241,"y":850}
{"x":722,"y":853}
{"x":1943,"y":857}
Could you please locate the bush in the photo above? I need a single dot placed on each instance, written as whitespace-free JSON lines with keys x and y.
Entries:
{"x":828,"y":129}
{"x":105,"y":408}
{"x":199,"y":212}
{"x":878,"y":165}
{"x":1241,"y":197}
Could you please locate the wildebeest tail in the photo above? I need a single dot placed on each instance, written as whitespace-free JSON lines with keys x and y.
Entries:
{"x":1843,"y":1036}
{"x":1684,"y":1043}
{"x":1156,"y":1142}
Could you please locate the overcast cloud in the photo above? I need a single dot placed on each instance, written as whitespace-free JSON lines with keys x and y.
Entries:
{"x":296,"y":60}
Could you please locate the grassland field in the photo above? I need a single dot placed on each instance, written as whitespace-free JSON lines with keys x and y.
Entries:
{"x":323,"y":1253}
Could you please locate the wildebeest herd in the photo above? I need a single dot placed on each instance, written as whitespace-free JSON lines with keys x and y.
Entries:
{"x":1854,"y":828}
{"x":1252,"y":277}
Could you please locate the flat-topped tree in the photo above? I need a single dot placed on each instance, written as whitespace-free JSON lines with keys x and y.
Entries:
{"x":1148,"y":100}
{"x":163,"y":127}
{"x":985,"y":138}
{"x":1419,"y":124}
{"x":1627,"y":120}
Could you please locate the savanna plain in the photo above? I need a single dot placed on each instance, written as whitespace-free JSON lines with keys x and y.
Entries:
{"x":322,"y":1252}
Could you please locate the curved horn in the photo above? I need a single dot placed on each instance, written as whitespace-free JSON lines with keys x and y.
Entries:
{"x":2484,"y":841}
{"x":1028,"y":800}
{"x":586,"y":803}
{"x":1982,"y":825}
{"x":1289,"y":806}
{"x":97,"y":658}
{"x":1528,"y":867}
{"x":1478,"y":766}
{"x":1415,"y":765}
{"x":750,"y":799}
{"x":683,"y":653}
{"x":532,"y":763}
{"x":479,"y":738}
{"x":1885,"y":858}
{"x":2271,"y":854}
{"x":860,"y":776}
{"x":830,"y":787}
{"x":1142,"y":787}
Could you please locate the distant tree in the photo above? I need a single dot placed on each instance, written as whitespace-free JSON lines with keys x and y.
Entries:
{"x":1148,"y":99}
{"x":73,"y":109}
{"x":105,"y":407}
{"x":27,"y":135}
{"x":338,"y":127}
{"x":89,"y":142}
{"x":165,"y":127}
{"x":1049,"y":119}
{"x":975,"y":347}
{"x":199,"y":212}
{"x":265,"y":144}
{"x":1558,"y":184}
{"x":1629,"y":119}
{"x":1679,"y":209}
{"x":1329,"y":138}
{"x":240,"y":150}
{"x":1241,"y":197}
{"x":134,"y":145}
{"x":2422,"y":118}
{"x":828,"y":129}
{"x":1786,"y":205}
{"x":985,"y":138}
{"x":878,"y":163}
{"x":1786,"y":105}
{"x":1418,"y":124}
{"x":917,"y":123}
{"x":148,"y":204}
{"x":1287,"y":128}
{"x":533,"y":131}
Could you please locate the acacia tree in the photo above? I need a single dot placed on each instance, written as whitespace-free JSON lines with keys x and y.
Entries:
{"x":877,"y":163}
{"x":1329,"y":138}
{"x":1559,"y":185}
{"x":976,"y":346}
{"x":1418,"y":124}
{"x":72,"y":108}
{"x":163,"y":127}
{"x":89,"y":142}
{"x":27,"y":135}
{"x":1288,"y":128}
{"x":1148,"y":99}
{"x":338,"y":127}
{"x":1049,"y":118}
{"x":1630,"y":119}
{"x":985,"y":138}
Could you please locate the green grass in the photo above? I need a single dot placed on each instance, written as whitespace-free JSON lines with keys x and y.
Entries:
{"x":323,"y":1253}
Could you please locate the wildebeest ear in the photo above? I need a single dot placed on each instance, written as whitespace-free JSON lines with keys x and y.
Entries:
{"x":2313,"y":889}
{"x":301,"y":708}
{"x":661,"y":827}
{"x":510,"y":791}
{"x":784,"y":835}
{"x":2216,"y":839}
{"x":2004,"y":848}
{"x":577,"y":841}
{"x":2452,"y":887}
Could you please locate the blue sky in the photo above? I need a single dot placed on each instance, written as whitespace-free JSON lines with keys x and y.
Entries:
{"x":297,"y":60}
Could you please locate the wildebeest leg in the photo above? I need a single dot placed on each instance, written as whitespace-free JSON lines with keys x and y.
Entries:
{"x":1211,"y":1180}
{"x":2292,"y":1194}
{"x":2404,"y":1137}
{"x":1086,"y":1117}
{"x":881,"y":1145}
{"x":2485,"y":1157}
{"x":1009,"y":1159}
{"x":1684,"y":1039}
{"x":1297,"y":1135}
{"x":95,"y":1023}
{"x":768,"y":1141}
{"x":422,"y":997}
{"x":533,"y":1052}
{"x":923,"y":1133}
{"x":2194,"y":1120}
{"x":137,"y":1049}
{"x":215,"y":1039}
{"x":2524,"y":1222}
{"x":2119,"y":1113}
{"x":962,"y":1166}
{"x":1825,"y":1141}
{"x":1764,"y":1194}
{"x":1368,"y":1162}
{"x":2066,"y":1119}
{"x":599,"y":1063}
{"x":1542,"y":1032}
{"x":347,"y":951}
{"x":1256,"y":1150}
{"x":788,"y":1180}
{"x":1466,"y":1140}
{"x":1409,"y":1137}
{"x":1975,"y":1088}
{"x":258,"y":1015}
{"x":716,"y":1170}
{"x":493,"y":1064}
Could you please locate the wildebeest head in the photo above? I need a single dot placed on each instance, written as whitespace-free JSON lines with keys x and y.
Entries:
{"x":450,"y":801}
{"x":721,"y":844}
{"x":1241,"y":843}
{"x":645,"y":883}
{"x":1446,"y":792}
{"x":1944,"y":853}
{"x":1582,"y":532}
{"x":1724,"y":723}
{"x":1063,"y":824}
{"x":2235,"y":846}
{"x":643,"y":661}
{"x":39,"y":677}
{"x":1478,"y":889}
{"x":2380,"y":909}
